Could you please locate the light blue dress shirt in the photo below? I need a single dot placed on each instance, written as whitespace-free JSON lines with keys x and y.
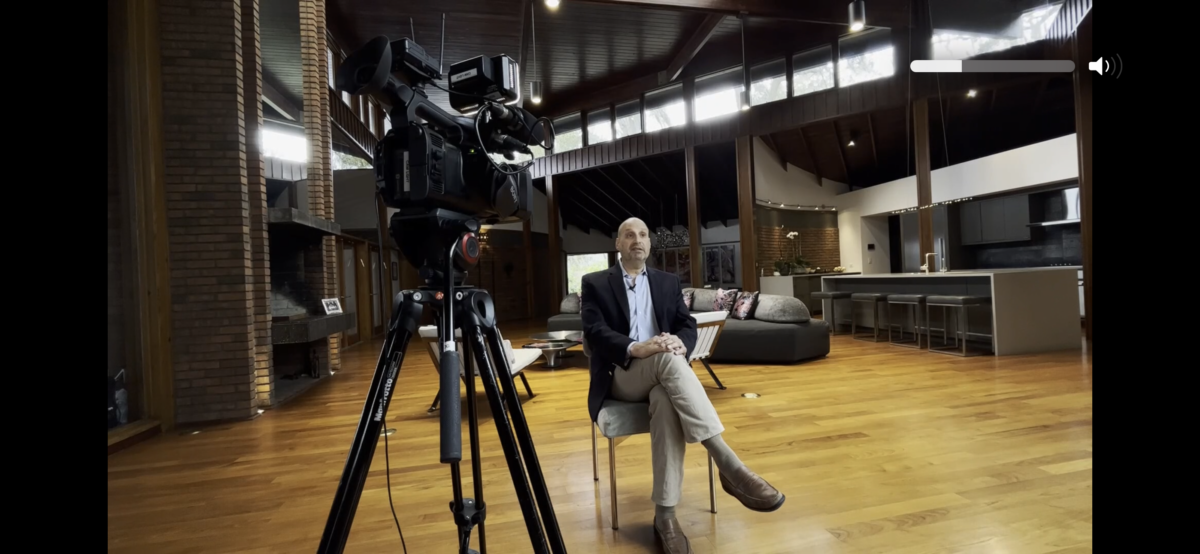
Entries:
{"x":642,"y":325}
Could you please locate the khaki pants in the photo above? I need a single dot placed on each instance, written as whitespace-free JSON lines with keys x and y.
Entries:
{"x":680,"y":413}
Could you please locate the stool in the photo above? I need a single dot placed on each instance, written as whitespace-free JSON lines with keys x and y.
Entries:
{"x":959,"y":306}
{"x":622,"y":419}
{"x":875,"y":298}
{"x":833,"y":296}
{"x":914,"y":303}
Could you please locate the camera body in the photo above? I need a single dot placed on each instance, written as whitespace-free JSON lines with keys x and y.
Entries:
{"x":432,"y":160}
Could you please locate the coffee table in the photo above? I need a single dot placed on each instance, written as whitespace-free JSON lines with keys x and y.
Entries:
{"x":554,"y":345}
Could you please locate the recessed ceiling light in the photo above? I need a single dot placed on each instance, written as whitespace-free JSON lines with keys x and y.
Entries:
{"x":551,"y":3}
{"x":971,"y":93}
{"x":851,"y":143}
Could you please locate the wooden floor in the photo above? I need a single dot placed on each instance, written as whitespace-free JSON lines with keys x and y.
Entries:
{"x":878,"y":449}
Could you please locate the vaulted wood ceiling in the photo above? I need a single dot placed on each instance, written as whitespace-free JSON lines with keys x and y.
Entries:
{"x":962,"y":128}
{"x":652,"y":188}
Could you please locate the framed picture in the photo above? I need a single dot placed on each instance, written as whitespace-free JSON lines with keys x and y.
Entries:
{"x":332,"y":306}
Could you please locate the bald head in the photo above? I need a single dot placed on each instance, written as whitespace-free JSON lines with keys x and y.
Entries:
{"x":633,"y":242}
{"x":631,"y":222}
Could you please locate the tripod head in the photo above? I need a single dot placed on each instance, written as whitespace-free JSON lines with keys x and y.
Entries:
{"x":432,"y":238}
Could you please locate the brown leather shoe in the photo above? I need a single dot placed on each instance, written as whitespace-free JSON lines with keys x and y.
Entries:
{"x":671,"y":538}
{"x":751,"y":490}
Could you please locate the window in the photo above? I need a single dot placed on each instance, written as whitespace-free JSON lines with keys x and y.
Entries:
{"x":812,"y":71}
{"x":329,"y":57}
{"x":865,"y":57}
{"x":1031,"y":25}
{"x":285,"y":146}
{"x":719,"y":94}
{"x":768,"y":82}
{"x":567,"y":134}
{"x":629,"y":118}
{"x":579,"y":265}
{"x":664,"y":108}
{"x":600,"y":127}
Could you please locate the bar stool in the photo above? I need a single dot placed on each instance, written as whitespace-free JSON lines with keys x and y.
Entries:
{"x":875,"y":298}
{"x":914,"y":303}
{"x":958,"y":306}
{"x":833,"y":296}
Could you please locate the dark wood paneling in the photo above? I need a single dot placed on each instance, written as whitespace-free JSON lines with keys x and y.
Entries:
{"x":555,"y":258}
{"x":745,"y":188}
{"x":924,"y":175}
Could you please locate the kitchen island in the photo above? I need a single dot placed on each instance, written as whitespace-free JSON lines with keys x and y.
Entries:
{"x":800,"y":286}
{"x":1031,"y":310}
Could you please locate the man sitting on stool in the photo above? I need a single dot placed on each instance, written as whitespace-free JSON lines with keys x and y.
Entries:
{"x":640,"y":334}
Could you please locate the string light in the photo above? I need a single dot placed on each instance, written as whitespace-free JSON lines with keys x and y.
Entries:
{"x":934,"y":205}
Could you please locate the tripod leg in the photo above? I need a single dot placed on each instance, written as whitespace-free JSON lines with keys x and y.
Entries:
{"x":504,"y":371}
{"x":345,"y":501}
{"x":473,"y":427}
{"x":503,"y":428}
{"x":436,"y":398}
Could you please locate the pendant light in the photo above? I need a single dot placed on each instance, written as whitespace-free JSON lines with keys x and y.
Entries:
{"x":858,"y":15}
{"x":535,"y":86}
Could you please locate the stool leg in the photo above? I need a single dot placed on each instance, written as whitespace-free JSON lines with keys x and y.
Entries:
{"x":712,"y":487}
{"x":928,"y":328}
{"x":963,"y":325}
{"x":612,"y":480}
{"x":875,"y":315}
{"x":853,"y":319}
{"x":595,"y":456}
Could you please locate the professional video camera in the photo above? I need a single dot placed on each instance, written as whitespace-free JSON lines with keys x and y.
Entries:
{"x":437,"y":170}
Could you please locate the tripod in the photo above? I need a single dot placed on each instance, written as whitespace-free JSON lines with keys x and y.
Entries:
{"x":472,"y":311}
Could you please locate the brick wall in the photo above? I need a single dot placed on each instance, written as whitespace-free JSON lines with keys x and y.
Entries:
{"x":818,"y":246}
{"x":208,"y":209}
{"x":313,"y":59}
{"x":256,"y":186}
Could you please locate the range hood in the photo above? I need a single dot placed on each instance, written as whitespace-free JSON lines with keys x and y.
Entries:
{"x":1070,"y":203}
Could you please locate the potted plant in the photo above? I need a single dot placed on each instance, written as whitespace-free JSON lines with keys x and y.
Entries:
{"x":800,"y":265}
{"x":783,"y":267}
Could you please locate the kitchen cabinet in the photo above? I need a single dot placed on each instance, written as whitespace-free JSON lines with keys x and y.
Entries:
{"x":1016,"y":217}
{"x":1004,"y":219}
{"x":968,"y":216}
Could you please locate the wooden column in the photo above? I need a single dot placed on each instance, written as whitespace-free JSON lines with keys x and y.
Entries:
{"x":1081,"y":44}
{"x":527,"y":242}
{"x":745,"y":187}
{"x":556,"y":255}
{"x":924,"y":176}
{"x":136,"y":75}
{"x":693,"y":213}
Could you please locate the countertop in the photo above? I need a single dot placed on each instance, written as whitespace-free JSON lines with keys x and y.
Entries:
{"x":812,"y":274}
{"x":958,"y":273}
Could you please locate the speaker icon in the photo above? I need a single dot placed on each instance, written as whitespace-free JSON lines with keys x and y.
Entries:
{"x":1107,"y":66}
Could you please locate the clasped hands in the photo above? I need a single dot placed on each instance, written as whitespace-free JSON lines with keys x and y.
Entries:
{"x":664,"y":342}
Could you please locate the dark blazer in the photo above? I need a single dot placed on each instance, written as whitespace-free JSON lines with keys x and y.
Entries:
{"x":604,"y":308}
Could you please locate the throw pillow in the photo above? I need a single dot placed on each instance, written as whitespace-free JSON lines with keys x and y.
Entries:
{"x":781,"y":309}
{"x":702,"y":300}
{"x":744,"y":305}
{"x":688,"y":295}
{"x":724,"y":300}
{"x":570,"y":304}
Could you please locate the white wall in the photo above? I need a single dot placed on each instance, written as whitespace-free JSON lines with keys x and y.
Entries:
{"x":717,"y":233}
{"x":855,"y":232}
{"x":575,"y":241}
{"x":1028,"y":166}
{"x":792,"y":187}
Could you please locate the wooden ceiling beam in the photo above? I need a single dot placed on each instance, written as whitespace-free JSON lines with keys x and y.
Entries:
{"x":628,"y":212}
{"x":841,"y":153}
{"x":881,"y":13}
{"x":639,"y":204}
{"x":811,"y":158}
{"x":690,"y":48}
{"x":770,"y":140}
{"x":871,"y":131}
